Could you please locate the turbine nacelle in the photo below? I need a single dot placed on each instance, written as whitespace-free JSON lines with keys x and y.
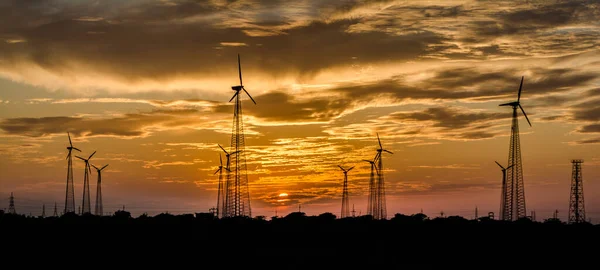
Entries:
{"x":346,"y":171}
{"x":240,"y":87}
{"x":517,"y":103}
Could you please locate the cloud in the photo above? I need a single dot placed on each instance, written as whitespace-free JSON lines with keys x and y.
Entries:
{"x":594,"y":128}
{"x":127,"y":125}
{"x":450,"y":118}
{"x":588,"y":141}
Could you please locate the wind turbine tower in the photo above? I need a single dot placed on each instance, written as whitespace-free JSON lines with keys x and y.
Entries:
{"x":86,"y":208}
{"x":515,"y":187}
{"x":238,"y":194}
{"x":380,"y":207}
{"x":372,"y":201}
{"x":70,"y":195}
{"x":504,"y":209}
{"x":99,"y":211}
{"x":223,"y":186}
{"x":345,"y":208}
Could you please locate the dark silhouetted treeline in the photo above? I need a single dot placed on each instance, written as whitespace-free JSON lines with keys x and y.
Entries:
{"x":300,"y":242}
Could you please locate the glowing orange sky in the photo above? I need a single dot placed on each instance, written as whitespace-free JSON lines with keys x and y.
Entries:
{"x":146,"y":84}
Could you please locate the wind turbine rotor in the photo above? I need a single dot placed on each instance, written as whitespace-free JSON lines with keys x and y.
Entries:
{"x":525,"y":115}
{"x":243,"y":88}
{"x":223,"y":149}
{"x":500,"y":165}
{"x":520,"y":88}
{"x":240,"y":69}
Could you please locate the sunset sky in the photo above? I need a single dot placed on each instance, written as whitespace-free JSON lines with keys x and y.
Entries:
{"x":146,"y":84}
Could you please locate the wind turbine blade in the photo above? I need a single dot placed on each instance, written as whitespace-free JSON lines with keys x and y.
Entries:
{"x":68,"y":154}
{"x":236,"y":93}
{"x":104,"y":167}
{"x":70,"y":139}
{"x":236,"y":152}
{"x":240,"y":69}
{"x":95,"y":167}
{"x":510,"y":166}
{"x":223,"y":149}
{"x":388,"y":151}
{"x":367,"y":160}
{"x":351,"y":168}
{"x":380,"y":147}
{"x":520,"y":88}
{"x":500,"y":165}
{"x":217,"y":171}
{"x":525,"y":114}
{"x":77,"y":149}
{"x":81,"y":158}
{"x":249,"y":95}
{"x":506,"y":104}
{"x":92,"y":155}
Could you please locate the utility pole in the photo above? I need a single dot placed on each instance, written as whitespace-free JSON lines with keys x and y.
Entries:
{"x":55,"y":210}
{"x":353,"y":211}
{"x":43,"y":210}
{"x":476,"y":216}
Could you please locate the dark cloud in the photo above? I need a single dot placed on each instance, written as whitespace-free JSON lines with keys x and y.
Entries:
{"x":593,"y":92}
{"x":452,"y":118}
{"x":128,"y":125}
{"x":283,"y":107}
{"x":140,"y":41}
{"x":588,"y":141}
{"x":587,"y":111}
{"x":594,"y":128}
{"x":465,"y":83}
{"x":538,"y":16}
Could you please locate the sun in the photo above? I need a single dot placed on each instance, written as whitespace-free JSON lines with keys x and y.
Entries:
{"x":283,"y":194}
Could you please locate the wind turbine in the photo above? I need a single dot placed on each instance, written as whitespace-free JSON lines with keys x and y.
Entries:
{"x":220,"y":195}
{"x":345,"y":208}
{"x":503,"y":199}
{"x":372,"y":188}
{"x":238,"y":196}
{"x":225,"y":189}
{"x":514,"y":176}
{"x":99,"y":210}
{"x":86,"y":184}
{"x":381,"y":211}
{"x":70,"y":194}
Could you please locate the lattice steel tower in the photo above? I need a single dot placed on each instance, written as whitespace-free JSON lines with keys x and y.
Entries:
{"x":380,"y":209}
{"x":237,"y":197}
{"x":99,"y":211}
{"x":86,"y":204}
{"x":372,"y":200}
{"x":11,"y":204}
{"x":515,"y":189}
{"x":345,"y":206}
{"x":576,"y":205}
{"x":70,"y":194}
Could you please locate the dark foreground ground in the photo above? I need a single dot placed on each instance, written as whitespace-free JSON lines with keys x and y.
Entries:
{"x":299,"y":242}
